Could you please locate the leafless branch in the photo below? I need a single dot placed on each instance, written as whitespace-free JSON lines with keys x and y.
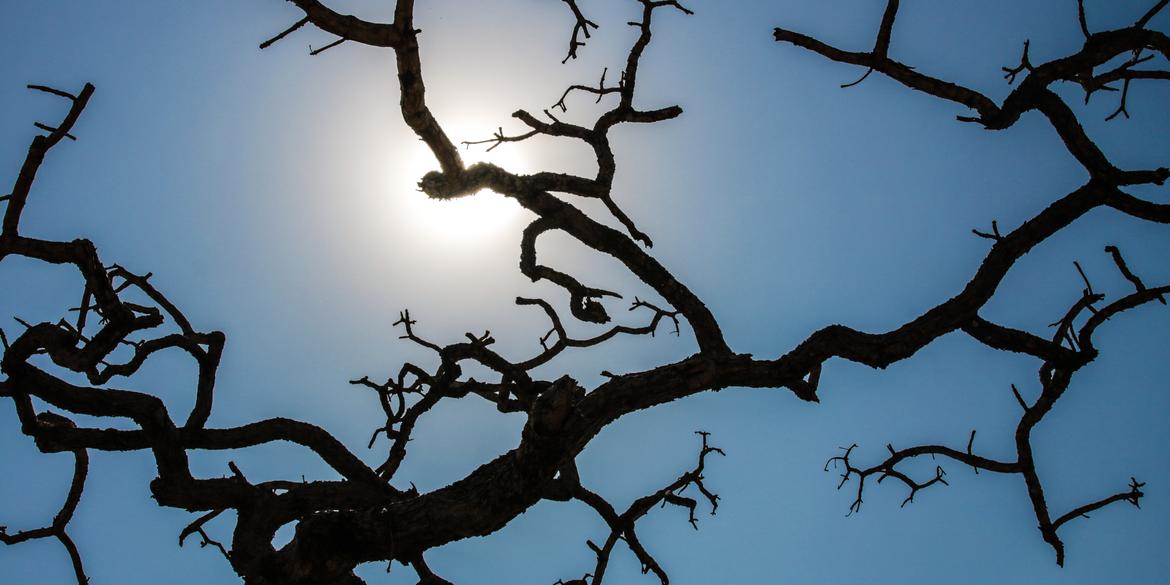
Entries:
{"x":57,"y":528}
{"x":1151,"y":13}
{"x":1010,"y":73}
{"x":288,"y":31}
{"x":994,"y":235}
{"x":622,"y":525}
{"x":359,"y":516}
{"x":580,"y":27}
{"x":1125,"y":271}
{"x":196,"y":527}
{"x":324,"y":48}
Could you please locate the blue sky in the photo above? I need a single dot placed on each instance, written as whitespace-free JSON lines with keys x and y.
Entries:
{"x":270,"y":194}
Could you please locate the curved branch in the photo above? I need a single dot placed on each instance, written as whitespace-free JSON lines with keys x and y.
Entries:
{"x":348,"y":27}
{"x":57,"y":528}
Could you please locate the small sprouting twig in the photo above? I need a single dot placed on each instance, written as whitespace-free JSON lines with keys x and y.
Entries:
{"x":196,"y":527}
{"x":994,"y":235}
{"x":1010,"y":73}
{"x":313,"y":51}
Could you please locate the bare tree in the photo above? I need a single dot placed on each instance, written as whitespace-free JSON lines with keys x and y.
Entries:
{"x":368,"y":514}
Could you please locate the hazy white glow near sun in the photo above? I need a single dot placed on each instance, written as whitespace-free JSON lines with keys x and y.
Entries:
{"x":467,"y":218}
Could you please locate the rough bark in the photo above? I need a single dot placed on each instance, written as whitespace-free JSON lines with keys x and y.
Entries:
{"x":363,"y":517}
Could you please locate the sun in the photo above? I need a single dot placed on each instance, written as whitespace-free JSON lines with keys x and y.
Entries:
{"x":469,"y":218}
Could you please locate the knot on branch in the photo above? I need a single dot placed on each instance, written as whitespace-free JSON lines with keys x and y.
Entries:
{"x":50,"y":431}
{"x":552,"y":408}
{"x":584,"y":580}
{"x":52,"y":420}
{"x":440,"y":185}
{"x":468,"y":181}
{"x":588,"y":309}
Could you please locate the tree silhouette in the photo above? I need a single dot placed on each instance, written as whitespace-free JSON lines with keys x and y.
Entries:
{"x":371,"y":513}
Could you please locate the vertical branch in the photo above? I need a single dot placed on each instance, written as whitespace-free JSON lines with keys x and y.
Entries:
{"x":36,"y":155}
{"x":581,"y":26}
{"x":413,"y":93}
{"x":57,"y":529}
{"x":881,"y":48}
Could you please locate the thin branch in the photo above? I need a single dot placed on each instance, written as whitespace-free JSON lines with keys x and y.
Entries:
{"x":1121,"y":107}
{"x":288,"y":31}
{"x":52,"y":130}
{"x":498,"y":138}
{"x":1088,"y":286}
{"x":581,"y":26}
{"x":196,"y":527}
{"x":888,"y":468}
{"x":1025,"y":65}
{"x":622,"y":525}
{"x":57,"y":528}
{"x":857,"y":81}
{"x":1133,"y":496}
{"x":320,"y":50}
{"x":1081,"y":18}
{"x":1019,"y":398}
{"x":600,"y":91}
{"x":54,"y":91}
{"x":1127,"y":273}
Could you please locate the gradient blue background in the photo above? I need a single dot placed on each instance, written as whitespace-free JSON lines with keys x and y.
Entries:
{"x":265,"y":189}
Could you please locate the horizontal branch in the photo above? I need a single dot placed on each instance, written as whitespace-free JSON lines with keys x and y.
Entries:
{"x":347,"y":26}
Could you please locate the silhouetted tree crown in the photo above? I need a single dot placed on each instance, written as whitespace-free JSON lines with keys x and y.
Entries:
{"x":372,"y":513}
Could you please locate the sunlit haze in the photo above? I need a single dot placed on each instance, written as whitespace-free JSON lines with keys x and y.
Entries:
{"x":469,"y":218}
{"x":273,"y":196}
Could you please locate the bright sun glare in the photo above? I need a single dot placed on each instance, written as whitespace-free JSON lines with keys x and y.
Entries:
{"x":466,"y":218}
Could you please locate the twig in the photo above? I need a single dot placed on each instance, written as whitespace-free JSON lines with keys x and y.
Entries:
{"x":313,"y":51}
{"x":196,"y":527}
{"x":285,"y":33}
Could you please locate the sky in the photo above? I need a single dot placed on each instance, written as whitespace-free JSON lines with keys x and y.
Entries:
{"x":271,"y":195}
